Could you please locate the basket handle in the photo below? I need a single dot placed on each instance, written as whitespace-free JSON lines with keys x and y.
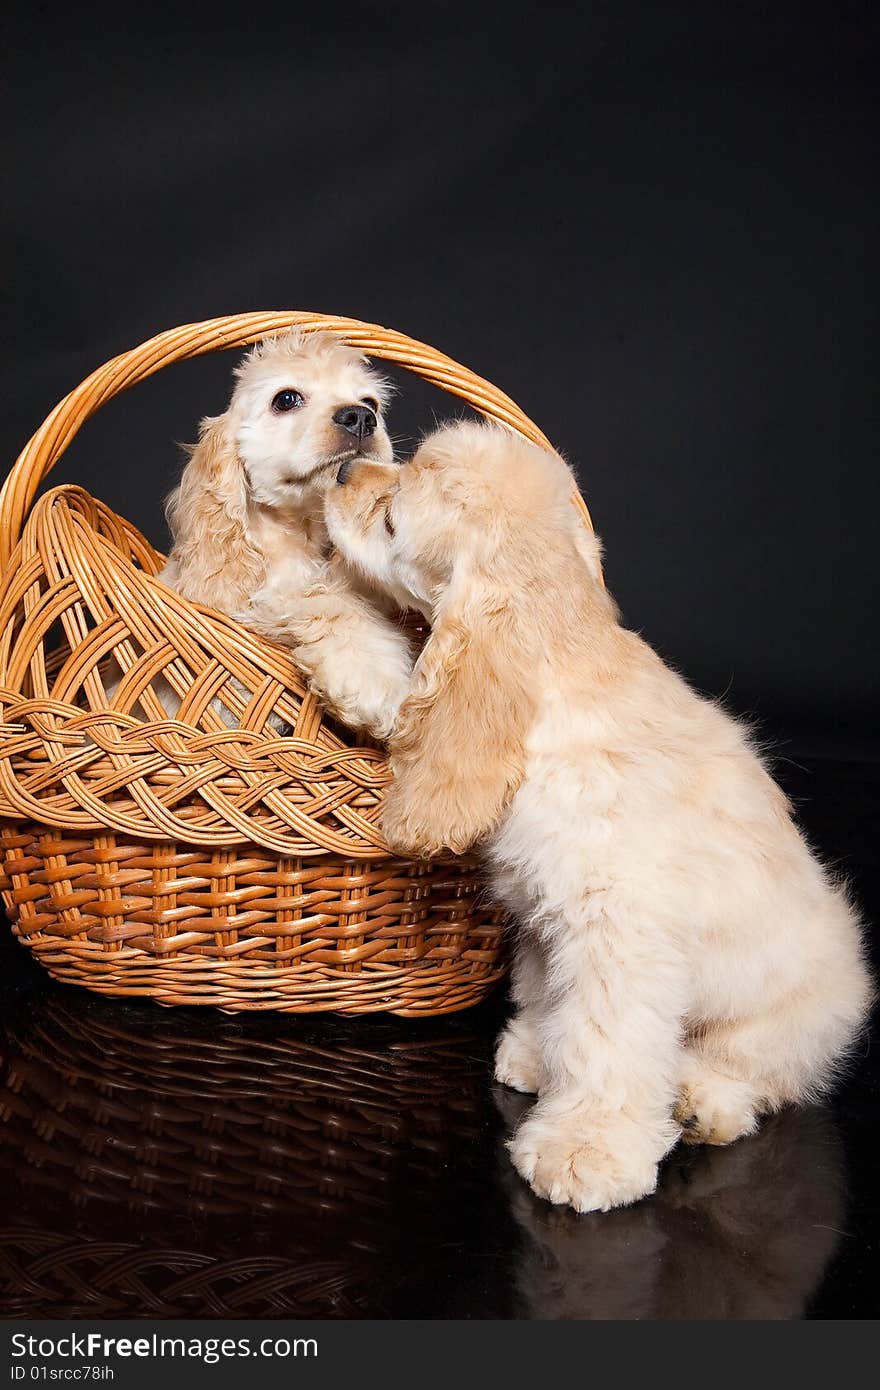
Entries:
{"x":45,"y":448}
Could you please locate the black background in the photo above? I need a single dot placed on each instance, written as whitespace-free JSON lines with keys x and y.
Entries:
{"x":655,"y":226}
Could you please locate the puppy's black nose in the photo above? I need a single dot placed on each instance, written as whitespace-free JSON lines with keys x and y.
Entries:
{"x":345,"y":469}
{"x":358,"y":420}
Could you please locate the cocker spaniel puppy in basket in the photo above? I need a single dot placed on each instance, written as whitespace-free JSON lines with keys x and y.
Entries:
{"x":248,"y":527}
{"x":683,"y":962}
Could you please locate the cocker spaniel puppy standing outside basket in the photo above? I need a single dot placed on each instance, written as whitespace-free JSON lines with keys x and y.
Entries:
{"x":683,"y":961}
{"x":160,"y":853}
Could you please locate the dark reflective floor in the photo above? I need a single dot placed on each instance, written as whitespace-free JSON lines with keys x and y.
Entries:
{"x":169,"y":1163}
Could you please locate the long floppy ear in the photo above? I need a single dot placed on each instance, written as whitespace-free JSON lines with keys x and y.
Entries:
{"x":213,"y":560}
{"x":457,"y":752}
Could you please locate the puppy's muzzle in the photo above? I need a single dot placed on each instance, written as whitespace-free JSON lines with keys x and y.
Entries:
{"x":357,"y":420}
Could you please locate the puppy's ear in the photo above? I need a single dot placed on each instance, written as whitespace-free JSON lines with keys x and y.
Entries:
{"x":213,"y":560}
{"x":457,"y":751}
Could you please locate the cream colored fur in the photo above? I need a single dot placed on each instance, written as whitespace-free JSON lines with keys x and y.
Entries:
{"x":249,"y":535}
{"x":683,"y":962}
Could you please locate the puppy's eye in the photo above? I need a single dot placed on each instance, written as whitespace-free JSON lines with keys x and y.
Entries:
{"x":286,"y":400}
{"x":371,"y":403}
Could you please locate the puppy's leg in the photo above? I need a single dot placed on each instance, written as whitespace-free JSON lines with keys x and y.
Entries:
{"x":735,"y":1069}
{"x":610,"y":1054}
{"x":714,"y":1108}
{"x":518,"y":1053}
{"x":357,"y":661}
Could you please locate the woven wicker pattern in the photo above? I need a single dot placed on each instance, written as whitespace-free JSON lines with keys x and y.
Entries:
{"x":183,"y":1121}
{"x":181,"y":857}
{"x":82,"y":766}
{"x":44,"y":1274}
{"x":344,"y":1145}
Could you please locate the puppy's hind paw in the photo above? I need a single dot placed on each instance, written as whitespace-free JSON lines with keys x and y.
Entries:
{"x":517,"y":1061}
{"x":714,"y":1109}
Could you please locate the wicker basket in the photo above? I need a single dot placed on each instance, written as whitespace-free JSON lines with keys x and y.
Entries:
{"x":179,"y":858}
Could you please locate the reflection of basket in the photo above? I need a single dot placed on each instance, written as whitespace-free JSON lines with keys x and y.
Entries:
{"x":179,"y":858}
{"x":161,"y":1164}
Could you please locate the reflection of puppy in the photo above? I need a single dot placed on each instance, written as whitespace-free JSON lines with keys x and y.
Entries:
{"x":249,"y":538}
{"x":745,"y":1232}
{"x":680,"y":948}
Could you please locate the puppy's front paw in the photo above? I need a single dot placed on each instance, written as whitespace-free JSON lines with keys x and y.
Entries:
{"x":566,"y":1164}
{"x":408,"y":833}
{"x":426,"y":815}
{"x":517,"y":1059}
{"x":371,"y":703}
{"x":405,"y":840}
